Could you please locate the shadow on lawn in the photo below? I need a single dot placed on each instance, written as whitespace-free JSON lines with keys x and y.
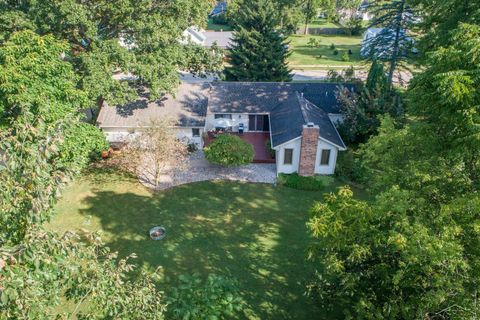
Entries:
{"x":253,"y":233}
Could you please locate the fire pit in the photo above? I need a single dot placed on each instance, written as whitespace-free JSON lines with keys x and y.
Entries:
{"x":157,"y":233}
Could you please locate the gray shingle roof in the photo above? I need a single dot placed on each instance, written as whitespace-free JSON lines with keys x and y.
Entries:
{"x":287,"y":120}
{"x":188,"y":108}
{"x":261,"y":97}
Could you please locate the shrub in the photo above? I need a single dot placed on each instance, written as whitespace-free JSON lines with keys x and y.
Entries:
{"x":314,"y":183}
{"x":83,"y":143}
{"x":269,"y":148}
{"x":335,"y":52}
{"x":215,"y":298}
{"x":192,"y":147}
{"x":349,"y":166}
{"x":332,"y":47}
{"x":314,"y":42}
{"x":345,"y":57}
{"x":229,"y":150}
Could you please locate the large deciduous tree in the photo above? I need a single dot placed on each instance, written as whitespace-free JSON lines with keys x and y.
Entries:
{"x":390,"y":260}
{"x":39,"y":105}
{"x":259,"y":51}
{"x":150,"y":31}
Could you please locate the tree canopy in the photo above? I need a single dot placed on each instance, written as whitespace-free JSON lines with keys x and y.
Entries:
{"x":259,"y":51}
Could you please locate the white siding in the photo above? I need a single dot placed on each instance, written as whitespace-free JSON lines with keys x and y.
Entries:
{"x":237,"y":117}
{"x":115,"y":135}
{"x":280,"y":152}
{"x":330,"y":169}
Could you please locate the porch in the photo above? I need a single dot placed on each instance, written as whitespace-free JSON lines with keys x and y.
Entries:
{"x":257,"y":139}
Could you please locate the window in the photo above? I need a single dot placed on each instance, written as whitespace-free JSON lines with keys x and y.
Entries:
{"x":325,"y":157}
{"x":195,"y":132}
{"x":288,"y":156}
{"x":223,"y":115}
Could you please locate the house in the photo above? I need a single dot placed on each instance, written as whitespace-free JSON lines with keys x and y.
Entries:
{"x":219,"y":9}
{"x":296,"y":118}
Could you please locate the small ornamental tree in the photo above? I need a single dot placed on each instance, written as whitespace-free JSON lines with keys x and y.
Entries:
{"x":155,"y":150}
{"x":228,"y":150}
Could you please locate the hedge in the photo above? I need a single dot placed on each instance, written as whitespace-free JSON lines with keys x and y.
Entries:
{"x":314,"y":183}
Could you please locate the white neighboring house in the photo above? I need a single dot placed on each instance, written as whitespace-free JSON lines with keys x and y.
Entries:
{"x":297,"y":119}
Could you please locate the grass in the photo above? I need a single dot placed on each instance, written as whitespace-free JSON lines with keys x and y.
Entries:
{"x":252,"y":232}
{"x":304,"y":55}
{"x":218,"y":27}
{"x":323,"y":23}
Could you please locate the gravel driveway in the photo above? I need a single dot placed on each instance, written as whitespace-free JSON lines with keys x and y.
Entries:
{"x":199,"y":169}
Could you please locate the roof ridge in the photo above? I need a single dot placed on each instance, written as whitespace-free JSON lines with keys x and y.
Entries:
{"x":301,"y":101}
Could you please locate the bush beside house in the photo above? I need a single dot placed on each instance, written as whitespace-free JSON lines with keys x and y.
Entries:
{"x":294,"y":181}
{"x":229,"y":150}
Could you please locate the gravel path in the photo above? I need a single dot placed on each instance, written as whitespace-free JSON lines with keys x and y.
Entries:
{"x":199,"y":169}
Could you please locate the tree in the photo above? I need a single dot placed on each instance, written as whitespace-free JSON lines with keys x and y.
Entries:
{"x":93,"y":30}
{"x":310,"y":10}
{"x":259,"y":51}
{"x":216,"y":297}
{"x":155,"y":149}
{"x":348,"y":12}
{"x":363,"y":107}
{"x":392,"y":44}
{"x":387,"y":260}
{"x":229,"y":150}
{"x":438,"y":154}
{"x":440,"y":17}
{"x":46,"y":270}
{"x":40,"y":143}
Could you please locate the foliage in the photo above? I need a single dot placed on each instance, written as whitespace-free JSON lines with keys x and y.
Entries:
{"x":259,"y":51}
{"x":39,"y":103}
{"x":314,"y":42}
{"x":155,"y":146}
{"x":349,"y":166}
{"x":45,"y":270}
{"x":83,"y":143}
{"x":392,"y":44}
{"x":270,"y":150}
{"x":345,"y":56}
{"x":440,"y":17}
{"x":92,"y":29}
{"x":229,"y":150}
{"x":216,"y":297}
{"x":384,"y":260}
{"x":314,"y":183}
{"x":438,"y":154}
{"x":363,"y":107}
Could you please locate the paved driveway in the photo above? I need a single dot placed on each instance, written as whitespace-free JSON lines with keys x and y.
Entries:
{"x":199,"y":169}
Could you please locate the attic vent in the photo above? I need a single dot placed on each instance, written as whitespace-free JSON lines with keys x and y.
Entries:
{"x":310,"y":125}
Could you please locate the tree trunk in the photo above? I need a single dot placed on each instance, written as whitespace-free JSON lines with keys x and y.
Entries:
{"x":396,"y":46}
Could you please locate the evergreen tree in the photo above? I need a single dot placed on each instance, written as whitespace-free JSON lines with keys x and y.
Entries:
{"x":392,"y":44}
{"x":259,"y":52}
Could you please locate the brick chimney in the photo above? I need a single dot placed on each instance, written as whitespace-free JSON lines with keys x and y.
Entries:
{"x":308,"y":150}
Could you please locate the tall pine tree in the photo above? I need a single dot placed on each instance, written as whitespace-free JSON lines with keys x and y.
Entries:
{"x":392,"y":44}
{"x":259,"y":52}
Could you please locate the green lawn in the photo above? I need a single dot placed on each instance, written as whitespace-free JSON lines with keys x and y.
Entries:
{"x":323,"y":23}
{"x":252,"y":232}
{"x":217,"y":27}
{"x":304,"y":55}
